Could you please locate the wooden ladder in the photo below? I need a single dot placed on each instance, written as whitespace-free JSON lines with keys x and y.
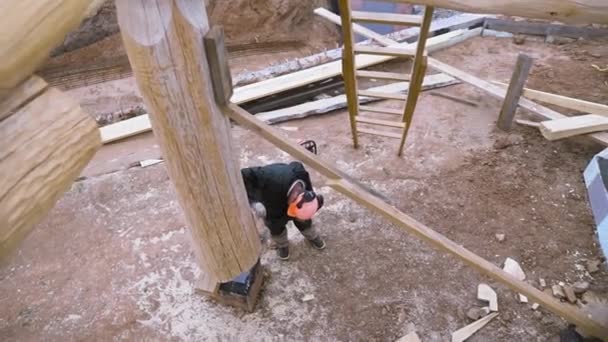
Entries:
{"x":397,"y":129}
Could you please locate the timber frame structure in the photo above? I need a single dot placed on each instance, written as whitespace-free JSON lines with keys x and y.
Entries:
{"x":164,"y":39}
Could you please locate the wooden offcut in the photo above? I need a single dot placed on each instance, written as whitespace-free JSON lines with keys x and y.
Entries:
{"x":164,"y":42}
{"x":572,"y":126}
{"x":47,"y":140}
{"x":30,"y":30}
{"x":514,"y":91}
{"x":340,"y":182}
{"x":464,"y":333}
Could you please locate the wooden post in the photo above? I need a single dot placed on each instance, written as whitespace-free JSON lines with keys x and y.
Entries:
{"x":164,"y":42}
{"x":516,"y":88}
{"x":46,"y":141}
{"x":349,"y":67}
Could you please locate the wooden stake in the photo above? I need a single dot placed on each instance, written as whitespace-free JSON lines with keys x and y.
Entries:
{"x":348,"y":68}
{"x":516,"y":87}
{"x":164,"y":42}
{"x":340,"y":182}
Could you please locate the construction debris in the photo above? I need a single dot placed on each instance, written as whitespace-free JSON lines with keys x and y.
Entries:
{"x":580,"y":287}
{"x":462,"y":334}
{"x":308,"y":298}
{"x":570,"y":295}
{"x":411,"y":337}
{"x":535,"y":306}
{"x":558,"y":291}
{"x":500,"y":237}
{"x":486,"y":293}
{"x":542,"y":282}
{"x":149,"y":162}
{"x":455,"y":99}
{"x":512,"y":267}
{"x":477,"y":313}
{"x":593,"y":266}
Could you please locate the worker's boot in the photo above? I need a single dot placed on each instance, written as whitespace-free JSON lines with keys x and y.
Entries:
{"x":281,"y":244}
{"x":317,"y":243}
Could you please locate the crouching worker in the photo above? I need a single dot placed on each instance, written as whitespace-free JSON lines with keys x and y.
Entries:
{"x":286,"y":193}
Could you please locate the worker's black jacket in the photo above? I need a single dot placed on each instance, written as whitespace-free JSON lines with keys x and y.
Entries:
{"x":269,"y":185}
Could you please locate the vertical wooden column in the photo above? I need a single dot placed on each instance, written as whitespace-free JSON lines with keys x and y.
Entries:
{"x":164,"y":41}
{"x":349,"y":67}
{"x":418,"y":71}
{"x":516,"y":88}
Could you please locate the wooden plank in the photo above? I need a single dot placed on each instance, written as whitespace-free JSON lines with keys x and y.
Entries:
{"x":124,"y":129}
{"x":379,"y":133}
{"x":30,"y":30}
{"x":21,"y":95}
{"x":576,"y":125}
{"x":514,"y":91}
{"x":567,"y":11}
{"x":544,"y":29}
{"x":303,"y":77}
{"x":337,"y":102}
{"x":418,"y":71}
{"x":349,"y":65}
{"x":45,"y":146}
{"x":382,"y":110}
{"x":380,"y":95}
{"x":499,"y":93}
{"x":341,"y":182}
{"x":528,"y":123}
{"x":384,"y":51}
{"x":383,"y":75}
{"x":464,"y":333}
{"x":164,"y":42}
{"x":455,"y":99}
{"x":564,"y":101}
{"x":387,"y":18}
{"x":379,"y":122}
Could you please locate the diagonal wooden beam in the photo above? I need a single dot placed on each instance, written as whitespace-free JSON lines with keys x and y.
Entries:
{"x":341,"y":183}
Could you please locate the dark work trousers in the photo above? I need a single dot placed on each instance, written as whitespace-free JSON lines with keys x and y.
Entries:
{"x":278,"y":230}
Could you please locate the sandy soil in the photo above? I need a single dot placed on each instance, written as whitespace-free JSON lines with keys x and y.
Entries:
{"x":112,"y":260}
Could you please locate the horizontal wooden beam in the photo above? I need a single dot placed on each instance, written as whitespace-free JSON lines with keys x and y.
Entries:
{"x":567,"y":11}
{"x":380,"y":133}
{"x":46,"y":142}
{"x":544,"y":29}
{"x":387,"y":18}
{"x":384,"y":51}
{"x":382,"y":75}
{"x":380,"y":122}
{"x":343,"y":184}
{"x":30,"y":30}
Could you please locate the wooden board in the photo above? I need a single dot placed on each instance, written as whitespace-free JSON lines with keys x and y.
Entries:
{"x":383,"y":75}
{"x":21,"y":95}
{"x":381,"y":95}
{"x":575,"y":125}
{"x":567,"y":11}
{"x":338,"y":102}
{"x":380,"y":122}
{"x":125,"y":129}
{"x":384,"y":51}
{"x":544,"y":29}
{"x":499,"y":93}
{"x":514,"y":91}
{"x":381,"y":133}
{"x":341,"y":183}
{"x":564,"y":101}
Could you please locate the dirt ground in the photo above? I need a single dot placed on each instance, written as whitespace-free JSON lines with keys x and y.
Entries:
{"x":112,"y":260}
